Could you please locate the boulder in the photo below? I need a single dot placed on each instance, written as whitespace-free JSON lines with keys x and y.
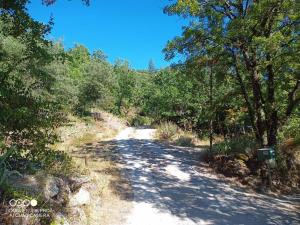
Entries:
{"x":51,"y":188}
{"x":28,"y":183}
{"x":75,"y":183}
{"x":82,"y":197}
{"x":56,"y":190}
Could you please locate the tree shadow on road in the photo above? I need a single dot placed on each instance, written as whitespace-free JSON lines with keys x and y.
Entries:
{"x":165,"y":177}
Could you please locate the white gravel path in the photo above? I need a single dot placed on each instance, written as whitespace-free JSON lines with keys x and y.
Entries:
{"x":168,"y":191}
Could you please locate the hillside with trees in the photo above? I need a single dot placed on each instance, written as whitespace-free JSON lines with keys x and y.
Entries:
{"x":239,"y":84}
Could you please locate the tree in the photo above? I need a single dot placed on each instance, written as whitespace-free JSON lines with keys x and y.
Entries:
{"x":125,"y":85}
{"x":96,"y":89}
{"x":29,"y":112}
{"x":50,"y":2}
{"x":260,"y":42}
{"x":151,"y":66}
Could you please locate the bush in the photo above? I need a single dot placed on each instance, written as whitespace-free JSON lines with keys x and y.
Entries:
{"x":141,"y":121}
{"x":290,"y":129}
{"x":185,"y":140}
{"x":242,"y":144}
{"x":167,"y":130}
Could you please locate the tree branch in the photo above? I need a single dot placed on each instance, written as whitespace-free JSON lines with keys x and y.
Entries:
{"x":292,"y":100}
{"x":243,"y":89}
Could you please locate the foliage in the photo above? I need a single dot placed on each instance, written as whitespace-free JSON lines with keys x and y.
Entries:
{"x":253,"y":41}
{"x":291,"y":129}
{"x":29,"y":112}
{"x":241,"y":71}
{"x":126,"y":81}
{"x":4,"y":170}
{"x":95,"y":90}
{"x":243,"y":144}
{"x":151,"y":66}
{"x":185,"y":140}
{"x":167,"y":130}
{"x":139,"y":120}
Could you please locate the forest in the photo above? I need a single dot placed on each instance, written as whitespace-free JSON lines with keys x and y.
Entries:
{"x":238,"y":82}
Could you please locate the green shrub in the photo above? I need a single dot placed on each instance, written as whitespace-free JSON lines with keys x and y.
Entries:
{"x":4,"y":166}
{"x":290,"y":129}
{"x":241,"y":144}
{"x":167,"y":130}
{"x":141,"y":121}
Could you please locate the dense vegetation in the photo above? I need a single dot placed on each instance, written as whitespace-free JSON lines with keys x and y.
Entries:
{"x":245,"y":53}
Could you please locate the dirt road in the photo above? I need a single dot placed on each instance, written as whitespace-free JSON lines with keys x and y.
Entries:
{"x":168,"y":190}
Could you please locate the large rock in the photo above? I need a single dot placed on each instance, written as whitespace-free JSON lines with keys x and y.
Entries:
{"x":75,"y":183}
{"x":82,"y":197}
{"x":53,"y":189}
{"x":28,"y":183}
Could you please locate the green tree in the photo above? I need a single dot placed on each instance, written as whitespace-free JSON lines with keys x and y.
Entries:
{"x":260,"y":42}
{"x":96,"y":89}
{"x":28,"y":109}
{"x":125,"y":86}
{"x":151,"y":66}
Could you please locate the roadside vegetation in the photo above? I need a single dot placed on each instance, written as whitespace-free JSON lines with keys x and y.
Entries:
{"x":240,"y":80}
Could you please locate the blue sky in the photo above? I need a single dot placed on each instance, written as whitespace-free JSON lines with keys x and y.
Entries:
{"x":135,"y":30}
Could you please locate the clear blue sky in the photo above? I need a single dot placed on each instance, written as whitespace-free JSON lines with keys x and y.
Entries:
{"x":135,"y":30}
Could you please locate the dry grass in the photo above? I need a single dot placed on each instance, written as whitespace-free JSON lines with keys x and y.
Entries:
{"x":85,"y":138}
{"x":93,"y":154}
{"x":171,"y":133}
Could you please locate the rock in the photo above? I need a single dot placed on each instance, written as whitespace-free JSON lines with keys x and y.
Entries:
{"x":75,"y":183}
{"x":27,"y":183}
{"x":56,"y":190}
{"x":51,"y":188}
{"x":82,"y":197}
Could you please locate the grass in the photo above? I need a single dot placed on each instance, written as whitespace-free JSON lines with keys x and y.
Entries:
{"x":185,"y":139}
{"x":168,"y":131}
{"x":63,"y":160}
{"x":85,"y":138}
{"x":92,"y":155}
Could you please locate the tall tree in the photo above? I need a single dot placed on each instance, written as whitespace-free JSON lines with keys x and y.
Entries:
{"x":261,"y":41}
{"x":29,"y":110}
{"x":151,"y":66}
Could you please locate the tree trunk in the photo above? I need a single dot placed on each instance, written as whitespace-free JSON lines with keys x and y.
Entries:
{"x":257,"y":97}
{"x":211,"y":102}
{"x":272,"y":115}
{"x":244,"y":92}
{"x":272,"y":132}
